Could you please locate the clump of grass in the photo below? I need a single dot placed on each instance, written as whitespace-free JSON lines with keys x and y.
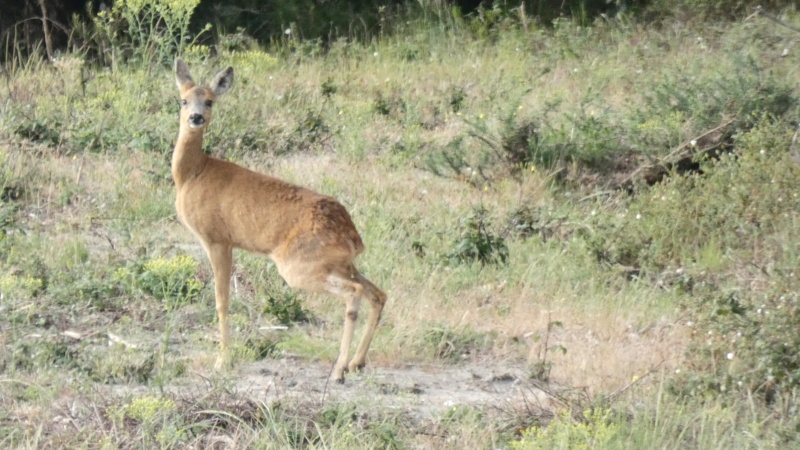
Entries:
{"x":454,"y":343}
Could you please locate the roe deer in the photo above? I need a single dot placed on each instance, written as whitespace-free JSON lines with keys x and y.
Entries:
{"x":310,"y":237}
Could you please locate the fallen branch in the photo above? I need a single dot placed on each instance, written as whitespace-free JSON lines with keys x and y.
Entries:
{"x":685,"y":150}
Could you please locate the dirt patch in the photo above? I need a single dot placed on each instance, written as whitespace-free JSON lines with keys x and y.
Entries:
{"x":420,"y":391}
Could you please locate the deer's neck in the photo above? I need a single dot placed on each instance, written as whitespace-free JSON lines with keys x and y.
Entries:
{"x":188,"y":159}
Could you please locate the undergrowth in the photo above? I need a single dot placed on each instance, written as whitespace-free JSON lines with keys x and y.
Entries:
{"x":629,"y":177}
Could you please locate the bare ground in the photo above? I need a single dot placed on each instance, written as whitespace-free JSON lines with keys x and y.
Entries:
{"x":419,"y":391}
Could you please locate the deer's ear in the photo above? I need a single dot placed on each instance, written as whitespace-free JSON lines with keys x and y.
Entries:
{"x":222,"y":82}
{"x":182,"y":75}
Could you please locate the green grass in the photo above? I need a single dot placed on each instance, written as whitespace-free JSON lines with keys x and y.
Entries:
{"x":495,"y":184}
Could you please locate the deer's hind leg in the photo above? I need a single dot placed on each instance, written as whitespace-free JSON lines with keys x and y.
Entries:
{"x":341,"y":280}
{"x":377,"y":299}
{"x":351,"y":292}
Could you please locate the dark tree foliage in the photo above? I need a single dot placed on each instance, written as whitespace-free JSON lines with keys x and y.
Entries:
{"x":21,"y":20}
{"x":267,"y":21}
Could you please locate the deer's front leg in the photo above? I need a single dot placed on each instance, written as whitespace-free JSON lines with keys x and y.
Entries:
{"x":221,"y":257}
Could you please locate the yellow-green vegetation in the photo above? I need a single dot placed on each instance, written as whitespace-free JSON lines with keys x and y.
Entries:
{"x":596,"y":429}
{"x":595,"y":223}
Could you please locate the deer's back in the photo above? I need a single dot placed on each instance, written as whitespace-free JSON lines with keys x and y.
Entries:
{"x":227,"y":203}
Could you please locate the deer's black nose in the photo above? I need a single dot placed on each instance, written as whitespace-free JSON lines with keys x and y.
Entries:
{"x":196,"y":119}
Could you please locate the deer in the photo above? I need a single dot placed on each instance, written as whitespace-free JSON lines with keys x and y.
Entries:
{"x":310,"y":237}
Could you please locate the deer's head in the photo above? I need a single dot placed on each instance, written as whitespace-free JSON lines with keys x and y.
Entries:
{"x":197,"y":101}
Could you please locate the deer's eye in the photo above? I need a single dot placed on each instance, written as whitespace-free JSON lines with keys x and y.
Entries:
{"x":209,"y":103}
{"x":184,"y":102}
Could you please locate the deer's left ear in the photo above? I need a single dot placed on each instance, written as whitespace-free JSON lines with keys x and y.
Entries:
{"x":182,"y":75}
{"x":222,"y":82}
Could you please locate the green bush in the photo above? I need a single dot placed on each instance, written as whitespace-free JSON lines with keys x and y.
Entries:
{"x":476,"y":242}
{"x":286,"y":309}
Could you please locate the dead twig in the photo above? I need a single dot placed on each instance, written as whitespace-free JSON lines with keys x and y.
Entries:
{"x":636,"y":380}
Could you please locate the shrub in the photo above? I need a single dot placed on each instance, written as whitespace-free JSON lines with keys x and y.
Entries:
{"x":477,"y":243}
{"x":149,"y":30}
{"x":286,"y":309}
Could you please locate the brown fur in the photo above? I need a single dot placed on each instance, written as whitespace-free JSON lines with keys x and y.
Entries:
{"x":310,"y":237}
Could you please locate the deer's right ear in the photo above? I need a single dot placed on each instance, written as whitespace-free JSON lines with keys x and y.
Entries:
{"x":182,"y":75}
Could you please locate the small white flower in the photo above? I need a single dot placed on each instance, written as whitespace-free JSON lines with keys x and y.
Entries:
{"x":287,"y":31}
{"x":677,"y":370}
{"x":638,"y":216}
{"x":375,"y":54}
{"x":785,"y":52}
{"x":693,"y":142}
{"x":690,"y":324}
{"x":729,"y":355}
{"x":593,"y":212}
{"x":762,"y":151}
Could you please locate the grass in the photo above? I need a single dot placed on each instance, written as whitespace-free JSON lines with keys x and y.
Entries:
{"x":414,"y":133}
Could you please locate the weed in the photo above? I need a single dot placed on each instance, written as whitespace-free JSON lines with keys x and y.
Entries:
{"x":457,"y":99}
{"x":477,"y":243}
{"x":173,"y":281}
{"x":595,"y":429}
{"x":540,"y":370}
{"x":286,"y":309}
{"x":328,"y":88}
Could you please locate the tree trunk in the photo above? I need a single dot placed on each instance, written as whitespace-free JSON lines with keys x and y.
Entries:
{"x":48,"y":40}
